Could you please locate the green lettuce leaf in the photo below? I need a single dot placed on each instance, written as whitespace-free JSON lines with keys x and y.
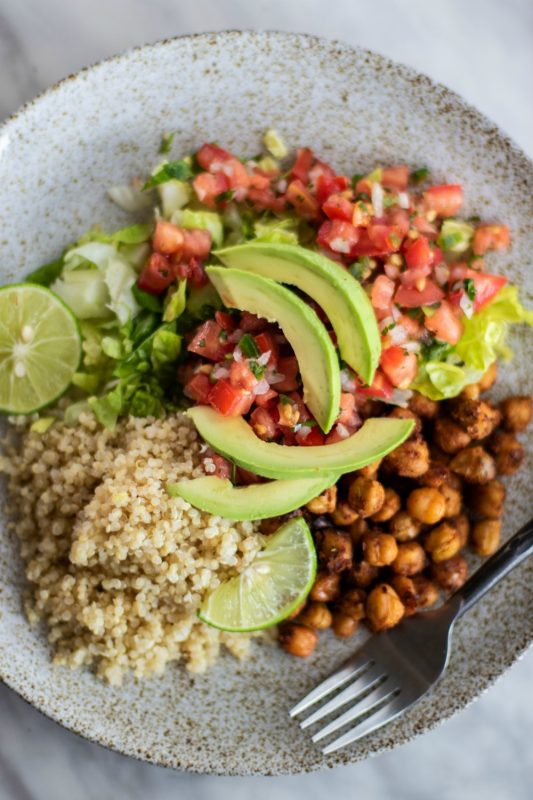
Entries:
{"x":176,"y":303}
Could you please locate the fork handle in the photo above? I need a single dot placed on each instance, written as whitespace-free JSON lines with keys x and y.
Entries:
{"x":513,"y":552}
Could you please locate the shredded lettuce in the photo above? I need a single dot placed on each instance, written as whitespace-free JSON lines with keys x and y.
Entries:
{"x":209,"y":220}
{"x":48,"y":273}
{"x":275,"y":144}
{"x":174,"y":195}
{"x":176,"y":302}
{"x":120,"y":278}
{"x":130,"y":198}
{"x":93,"y":254}
{"x":277,"y":230}
{"x":85,"y":291}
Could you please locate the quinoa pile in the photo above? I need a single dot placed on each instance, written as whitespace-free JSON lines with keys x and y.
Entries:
{"x":116,"y":568}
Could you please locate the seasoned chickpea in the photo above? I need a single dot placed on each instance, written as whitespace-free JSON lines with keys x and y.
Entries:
{"x":358,"y":529}
{"x":366,"y":496}
{"x":343,"y":515}
{"x":486,"y":536}
{"x":462,"y":526}
{"x":352,"y":603}
{"x":438,"y":455}
{"x":452,"y":573}
{"x":384,"y":609}
{"x":271,"y":524}
{"x":436,"y":475}
{"x":407,"y":413}
{"x":410,"y":560}
{"x":449,"y":436}
{"x":474,"y":464}
{"x":391,"y":505}
{"x":410,"y":459}
{"x":325,"y":503}
{"x":442,"y":542}
{"x":343,"y":625}
{"x":415,"y":592}
{"x":488,"y":379}
{"x":362,"y":574}
{"x":335,"y":549}
{"x":298,"y":640}
{"x":516,"y":412}
{"x":404,"y":527}
{"x":477,"y":417}
{"x":453,"y":500}
{"x":326,"y":587}
{"x":488,"y":500}
{"x":508,"y":452}
{"x":370,"y":471}
{"x":423,"y":406}
{"x":316,"y":615}
{"x":471,"y":392}
{"x":379,"y":549}
{"x":426,"y":505}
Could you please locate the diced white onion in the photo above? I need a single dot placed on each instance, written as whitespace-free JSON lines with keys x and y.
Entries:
{"x":442,"y":274}
{"x":412,"y":347}
{"x":263,"y":358}
{"x":386,"y":323}
{"x":396,"y":313}
{"x":340,"y":245}
{"x":398,"y":334}
{"x":237,"y":354}
{"x":392,"y":271}
{"x":235,"y":336}
{"x":377,"y":199}
{"x":347,"y":381}
{"x":403,"y":200}
{"x":342,"y":431}
{"x":281,"y":185}
{"x":399,"y":397}
{"x":274,"y":377}
{"x":261,"y":388}
{"x":466,"y":305}
{"x":219,"y":371}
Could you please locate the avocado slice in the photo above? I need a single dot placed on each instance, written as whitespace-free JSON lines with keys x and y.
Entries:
{"x":235,"y":439}
{"x":314,"y":350}
{"x":330,"y":285}
{"x":258,"y":501}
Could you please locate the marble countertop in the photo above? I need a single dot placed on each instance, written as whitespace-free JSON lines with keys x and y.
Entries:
{"x":482,"y":49}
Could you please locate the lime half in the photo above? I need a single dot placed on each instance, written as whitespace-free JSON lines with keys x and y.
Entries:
{"x":272,"y":587}
{"x":40,"y":348}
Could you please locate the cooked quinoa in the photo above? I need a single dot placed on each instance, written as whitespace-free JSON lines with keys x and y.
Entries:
{"x":116,"y":568}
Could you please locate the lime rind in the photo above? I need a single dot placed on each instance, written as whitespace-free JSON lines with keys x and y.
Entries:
{"x":271,"y":588}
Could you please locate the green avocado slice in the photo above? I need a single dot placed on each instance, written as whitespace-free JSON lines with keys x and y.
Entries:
{"x":330,"y":285}
{"x":235,"y":439}
{"x":258,"y":501}
{"x":313,"y":348}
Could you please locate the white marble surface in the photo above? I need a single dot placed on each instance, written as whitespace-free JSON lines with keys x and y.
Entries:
{"x":484,"y":50}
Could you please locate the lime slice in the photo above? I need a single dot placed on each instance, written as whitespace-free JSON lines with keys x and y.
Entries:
{"x":272,"y":587}
{"x":40,"y":348}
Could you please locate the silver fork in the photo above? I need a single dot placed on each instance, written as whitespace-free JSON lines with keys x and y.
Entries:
{"x":393,"y":670}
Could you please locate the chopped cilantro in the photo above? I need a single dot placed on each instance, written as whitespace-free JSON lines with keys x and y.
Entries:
{"x":286,"y":401}
{"x":419,"y":175}
{"x":257,"y":369}
{"x":389,"y":200}
{"x":172,"y":170}
{"x":226,"y":196}
{"x":388,"y":328}
{"x":201,"y":343}
{"x":166,"y":142}
{"x":355,"y":179}
{"x":435,"y":350}
{"x":249,"y":347}
{"x":470,"y":289}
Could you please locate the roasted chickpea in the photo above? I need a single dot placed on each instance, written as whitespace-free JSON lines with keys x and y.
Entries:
{"x":343,"y":515}
{"x":488,"y":379}
{"x":410,"y":560}
{"x":453,"y":500}
{"x":404,"y":527}
{"x":471,"y":392}
{"x":384,"y":609}
{"x":370,"y":471}
{"x":426,"y":505}
{"x":487,"y":500}
{"x":343,"y":625}
{"x":439,"y":456}
{"x":477,"y":417}
{"x":516,"y":412}
{"x":298,"y":640}
{"x":335,"y":550}
{"x":366,"y":496}
{"x":325,"y":503}
{"x":442,"y":542}
{"x":436,"y":475}
{"x":508,"y":452}
{"x":410,"y":459}
{"x":326,"y":587}
{"x":462,"y":526}
{"x":270,"y":525}
{"x":423,"y":406}
{"x":452,"y":573}
{"x":379,"y":549}
{"x":352,"y":603}
{"x":362,"y":574}
{"x":407,"y":413}
{"x":391,"y":505}
{"x":486,"y":536}
{"x":449,"y":436}
{"x":358,"y":529}
{"x":415,"y":592}
{"x":474,"y":464}
{"x":316,"y":615}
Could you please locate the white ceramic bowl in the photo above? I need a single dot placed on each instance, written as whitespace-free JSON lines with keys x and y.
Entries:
{"x":355,"y":108}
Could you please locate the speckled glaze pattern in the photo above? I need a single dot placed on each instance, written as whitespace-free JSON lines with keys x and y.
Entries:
{"x":58,"y":155}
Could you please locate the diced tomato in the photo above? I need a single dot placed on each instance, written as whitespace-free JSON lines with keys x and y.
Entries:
{"x":325,"y":184}
{"x":410,"y":297}
{"x":223,"y":467}
{"x":399,"y":366}
{"x":395,"y":178}
{"x":236,"y":176}
{"x":287,"y":366}
{"x":445,"y":324}
{"x":423,"y":225}
{"x":338,"y":207}
{"x":337,"y":434}
{"x":416,"y":276}
{"x":211,"y":157}
{"x":259,"y":181}
{"x":417,"y":252}
{"x":241,"y":376}
{"x":364,"y":247}
{"x":266,"y":200}
{"x":225,"y":320}
{"x":192,"y":270}
{"x":267,"y":344}
{"x":339,"y":236}
{"x":208,"y":187}
{"x":302,"y":165}
{"x":310,"y":437}
{"x":387,"y":238}
{"x":486,"y":286}
{"x":446,"y":200}
{"x":168,"y":238}
{"x":362,"y":216}
{"x":490,"y":237}
{"x":363,"y":186}
{"x":382,"y":293}
{"x":243,"y":477}
{"x":264,"y":400}
{"x":381,"y":387}
{"x":210,"y":341}
{"x":230,"y":400}
{"x":198,"y":388}
{"x":458,"y":271}
{"x":263,"y":424}
{"x":400,"y":218}
{"x":348,"y":414}
{"x":157,"y":274}
{"x":249,"y":323}
{"x":413,"y":328}
{"x":197,"y":243}
{"x":299,"y":196}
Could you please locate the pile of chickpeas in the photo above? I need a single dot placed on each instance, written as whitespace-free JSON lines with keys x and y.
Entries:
{"x":390,"y":537}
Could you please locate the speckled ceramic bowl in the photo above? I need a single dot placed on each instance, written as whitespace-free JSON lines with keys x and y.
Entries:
{"x":58,"y":155}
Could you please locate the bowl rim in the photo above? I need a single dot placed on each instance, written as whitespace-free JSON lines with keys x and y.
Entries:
{"x":480,"y":121}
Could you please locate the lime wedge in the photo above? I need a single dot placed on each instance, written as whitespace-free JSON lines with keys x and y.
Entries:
{"x":272,"y":587}
{"x":40,"y":348}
